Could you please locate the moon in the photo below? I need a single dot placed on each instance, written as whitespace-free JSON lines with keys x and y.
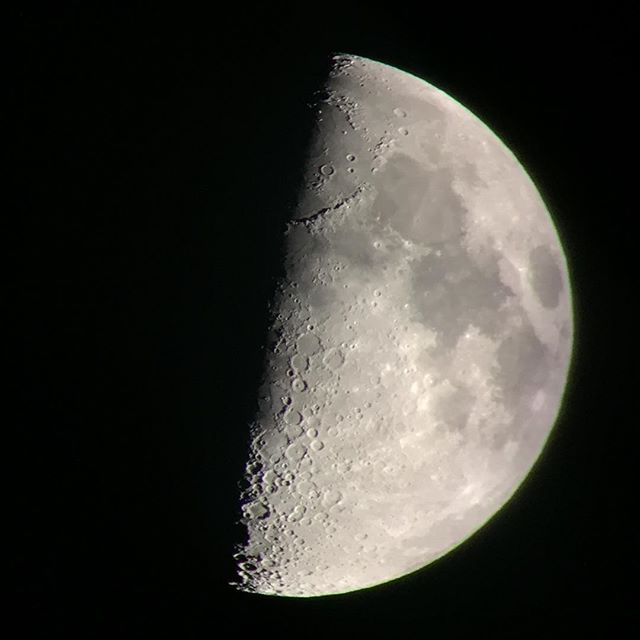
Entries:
{"x":418,"y":347}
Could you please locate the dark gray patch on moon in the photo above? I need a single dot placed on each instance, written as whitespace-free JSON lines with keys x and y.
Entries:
{"x":522,"y":366}
{"x":468,"y":173}
{"x":450,"y":292}
{"x":546,"y":278}
{"x":420,"y":205}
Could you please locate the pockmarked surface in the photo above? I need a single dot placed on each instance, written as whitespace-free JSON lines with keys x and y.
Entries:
{"x":419,"y":342}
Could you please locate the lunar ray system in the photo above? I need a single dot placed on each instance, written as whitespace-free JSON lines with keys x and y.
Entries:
{"x":419,"y":342}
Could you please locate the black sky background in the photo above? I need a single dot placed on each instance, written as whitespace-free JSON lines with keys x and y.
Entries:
{"x":157,"y":155}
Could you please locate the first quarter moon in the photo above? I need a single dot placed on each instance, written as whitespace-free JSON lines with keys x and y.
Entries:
{"x":419,"y":343}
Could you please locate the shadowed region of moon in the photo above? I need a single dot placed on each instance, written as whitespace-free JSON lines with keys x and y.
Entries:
{"x":418,"y":347}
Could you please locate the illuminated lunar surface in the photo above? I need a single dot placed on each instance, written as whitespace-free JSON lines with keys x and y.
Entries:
{"x":419,"y":344}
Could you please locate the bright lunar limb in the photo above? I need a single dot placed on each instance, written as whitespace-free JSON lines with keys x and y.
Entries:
{"x":419,"y":345}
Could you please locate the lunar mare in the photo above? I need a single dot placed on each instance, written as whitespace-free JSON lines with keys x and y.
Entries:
{"x":419,"y":342}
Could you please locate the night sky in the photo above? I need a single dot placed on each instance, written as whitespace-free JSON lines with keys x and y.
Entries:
{"x":157,"y":157}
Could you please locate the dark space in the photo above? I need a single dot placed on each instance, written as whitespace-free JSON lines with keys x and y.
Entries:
{"x":157,"y":157}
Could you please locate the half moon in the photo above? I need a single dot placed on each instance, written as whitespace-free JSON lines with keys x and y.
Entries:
{"x":419,"y":342}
